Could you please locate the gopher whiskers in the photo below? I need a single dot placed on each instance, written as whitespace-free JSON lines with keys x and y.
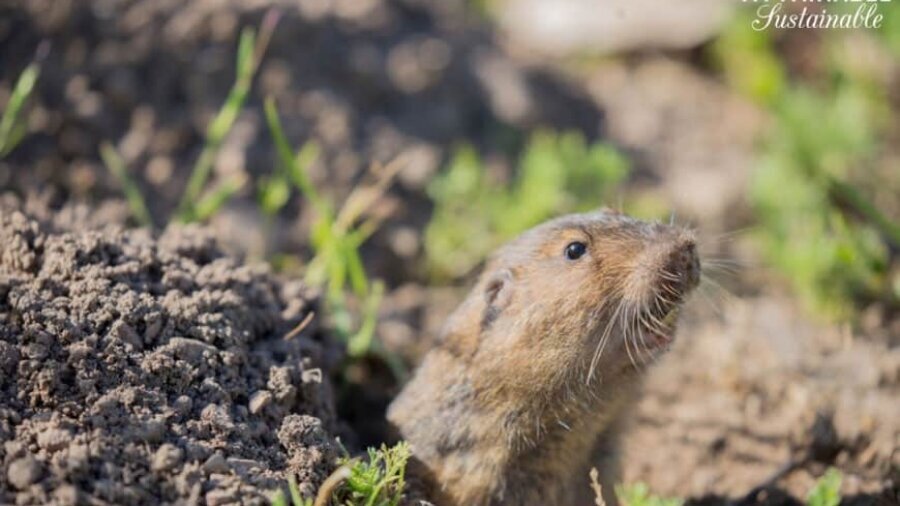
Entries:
{"x":601,"y":345}
{"x":626,"y":325}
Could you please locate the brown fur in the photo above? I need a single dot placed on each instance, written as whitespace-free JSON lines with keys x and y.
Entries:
{"x":512,"y":406}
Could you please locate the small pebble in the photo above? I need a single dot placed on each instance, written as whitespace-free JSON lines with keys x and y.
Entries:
{"x":66,"y":495}
{"x":23,"y":472}
{"x":54,"y":439}
{"x":259,"y":400}
{"x":216,"y":463}
{"x":166,"y":457}
{"x":218,"y":497}
{"x":183,"y":405}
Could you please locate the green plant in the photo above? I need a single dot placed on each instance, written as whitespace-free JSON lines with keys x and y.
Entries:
{"x":116,"y":165}
{"x":336,"y":238}
{"x":820,"y":163}
{"x":473,"y":215}
{"x":747,"y":59}
{"x":832,"y":257}
{"x":12,"y":129}
{"x":638,"y":494}
{"x":890,"y":30}
{"x":378,"y":481}
{"x":193,"y":205}
{"x":827,"y":491}
{"x":294,"y":498}
{"x":249,"y":54}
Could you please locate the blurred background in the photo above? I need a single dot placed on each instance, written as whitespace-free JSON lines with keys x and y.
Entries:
{"x":380,"y":149}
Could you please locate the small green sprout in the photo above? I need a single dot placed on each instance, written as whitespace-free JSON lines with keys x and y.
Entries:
{"x":638,"y":494}
{"x":295,"y":499}
{"x":133,"y":195}
{"x":378,"y":481}
{"x":336,"y":238}
{"x":827,"y":491}
{"x":249,"y":54}
{"x":12,"y":128}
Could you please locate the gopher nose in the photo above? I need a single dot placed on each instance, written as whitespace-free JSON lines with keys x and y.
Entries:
{"x":685,"y":264}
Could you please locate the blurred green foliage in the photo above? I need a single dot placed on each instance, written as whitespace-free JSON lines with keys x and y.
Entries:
{"x":198,"y":202}
{"x":827,"y":491}
{"x":819,"y":225}
{"x":337,"y":235}
{"x":12,"y":128}
{"x":638,"y":494}
{"x":890,"y":30}
{"x":748,"y":61}
{"x":557,"y":173}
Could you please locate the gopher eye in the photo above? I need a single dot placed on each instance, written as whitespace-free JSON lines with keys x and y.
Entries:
{"x":576,"y":250}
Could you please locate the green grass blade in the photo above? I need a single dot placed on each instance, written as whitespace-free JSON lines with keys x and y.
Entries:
{"x":247,"y":54}
{"x":15,"y":137}
{"x":274,"y":193}
{"x":375,"y":493}
{"x":337,"y":269}
{"x":361,"y":342}
{"x":22,"y":90}
{"x":356,"y":272}
{"x":322,"y":239}
{"x":211,"y":204}
{"x":304,"y":158}
{"x":282,"y":146}
{"x":133,"y":195}
{"x":296,"y":498}
{"x":278,"y":499}
{"x":244,"y":62}
{"x":216,"y":133}
{"x":295,"y":165}
{"x":848,"y":194}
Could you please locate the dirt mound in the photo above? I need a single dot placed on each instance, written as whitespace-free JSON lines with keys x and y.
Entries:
{"x":142,"y":371}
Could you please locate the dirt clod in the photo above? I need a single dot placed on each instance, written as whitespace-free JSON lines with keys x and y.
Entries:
{"x":23,"y":472}
{"x":144,"y":371}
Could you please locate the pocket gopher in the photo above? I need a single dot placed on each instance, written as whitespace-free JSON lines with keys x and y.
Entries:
{"x":530,"y":380}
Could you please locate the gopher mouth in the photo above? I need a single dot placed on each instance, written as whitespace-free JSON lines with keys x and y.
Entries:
{"x":658,"y":327}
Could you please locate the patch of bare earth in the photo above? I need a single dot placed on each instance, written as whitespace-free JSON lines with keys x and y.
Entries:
{"x":758,"y":390}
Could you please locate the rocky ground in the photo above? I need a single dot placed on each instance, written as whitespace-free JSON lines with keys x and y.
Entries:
{"x":145,"y":371}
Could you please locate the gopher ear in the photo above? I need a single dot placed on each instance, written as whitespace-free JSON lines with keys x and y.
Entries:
{"x":497,"y":295}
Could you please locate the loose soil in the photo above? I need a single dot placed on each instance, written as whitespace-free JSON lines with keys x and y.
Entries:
{"x":136,"y":370}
